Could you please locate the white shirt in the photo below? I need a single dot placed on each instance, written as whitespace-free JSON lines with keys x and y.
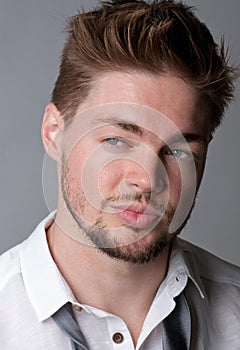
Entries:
{"x":32,"y":289}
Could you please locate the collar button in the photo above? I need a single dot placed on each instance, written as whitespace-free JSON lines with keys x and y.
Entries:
{"x":118,"y":338}
{"x":77,"y":308}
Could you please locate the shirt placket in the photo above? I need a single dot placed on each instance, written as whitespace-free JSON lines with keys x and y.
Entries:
{"x":119,"y":334}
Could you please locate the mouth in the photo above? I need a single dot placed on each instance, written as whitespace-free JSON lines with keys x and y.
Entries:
{"x":137,"y":215}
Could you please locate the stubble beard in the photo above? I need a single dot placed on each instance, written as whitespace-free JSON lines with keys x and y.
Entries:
{"x":140,"y":251}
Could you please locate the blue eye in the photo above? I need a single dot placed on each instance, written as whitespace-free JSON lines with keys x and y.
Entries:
{"x":114,"y":141}
{"x":178,"y":153}
{"x":118,"y":144}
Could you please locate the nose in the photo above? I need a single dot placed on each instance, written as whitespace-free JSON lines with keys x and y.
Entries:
{"x":147,"y":175}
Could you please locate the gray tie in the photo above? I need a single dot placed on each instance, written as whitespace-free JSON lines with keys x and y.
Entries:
{"x":176,"y":327}
{"x":65,"y":320}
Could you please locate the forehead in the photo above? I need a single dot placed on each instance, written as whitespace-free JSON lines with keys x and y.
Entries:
{"x":165,"y":93}
{"x":114,"y":95}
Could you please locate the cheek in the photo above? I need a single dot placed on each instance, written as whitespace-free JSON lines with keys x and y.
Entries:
{"x":183,"y":181}
{"x":110,"y":178}
{"x":175,"y":185}
{"x":73,"y":168}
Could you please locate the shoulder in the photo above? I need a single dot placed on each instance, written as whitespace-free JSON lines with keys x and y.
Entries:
{"x":219,"y":299}
{"x":9,"y":266}
{"x":209,"y":266}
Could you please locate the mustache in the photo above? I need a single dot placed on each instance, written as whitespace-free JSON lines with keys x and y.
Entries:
{"x":140,"y":198}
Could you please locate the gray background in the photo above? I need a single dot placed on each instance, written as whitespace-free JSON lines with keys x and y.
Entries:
{"x":31,"y":38}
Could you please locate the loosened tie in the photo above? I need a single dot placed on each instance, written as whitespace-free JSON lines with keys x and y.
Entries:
{"x":176,"y":333}
{"x":176,"y":327}
{"x":65,"y":320}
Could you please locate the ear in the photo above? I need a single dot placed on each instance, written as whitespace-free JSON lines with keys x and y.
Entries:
{"x":52,"y":128}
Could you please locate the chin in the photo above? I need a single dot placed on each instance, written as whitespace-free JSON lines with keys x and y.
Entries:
{"x":139,"y":252}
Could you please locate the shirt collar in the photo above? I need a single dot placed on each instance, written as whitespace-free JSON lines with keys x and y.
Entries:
{"x":45,"y":286}
{"x":189,"y":263}
{"x":48,"y":291}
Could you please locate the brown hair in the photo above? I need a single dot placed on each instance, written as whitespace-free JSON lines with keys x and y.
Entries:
{"x":151,"y":37}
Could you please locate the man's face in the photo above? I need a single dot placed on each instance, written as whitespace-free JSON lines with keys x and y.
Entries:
{"x":132,"y":162}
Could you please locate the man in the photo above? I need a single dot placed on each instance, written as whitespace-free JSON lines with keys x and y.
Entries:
{"x":141,"y":89}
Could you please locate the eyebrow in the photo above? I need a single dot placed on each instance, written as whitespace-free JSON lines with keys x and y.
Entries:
{"x":121,"y":123}
{"x":190,"y":137}
{"x":137,"y":130}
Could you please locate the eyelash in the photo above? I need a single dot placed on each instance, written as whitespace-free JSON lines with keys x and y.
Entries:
{"x":113,"y":138}
{"x":184,"y":153}
{"x":128,"y":145}
{"x":123,"y":142}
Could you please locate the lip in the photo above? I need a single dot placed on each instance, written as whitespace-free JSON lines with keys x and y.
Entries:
{"x":135,"y":207}
{"x":136,"y":215}
{"x":139,"y":220}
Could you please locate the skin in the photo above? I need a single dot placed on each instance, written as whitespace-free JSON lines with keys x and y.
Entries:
{"x":140,"y":176}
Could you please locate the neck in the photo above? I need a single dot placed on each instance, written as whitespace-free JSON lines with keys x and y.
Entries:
{"x":92,"y":276}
